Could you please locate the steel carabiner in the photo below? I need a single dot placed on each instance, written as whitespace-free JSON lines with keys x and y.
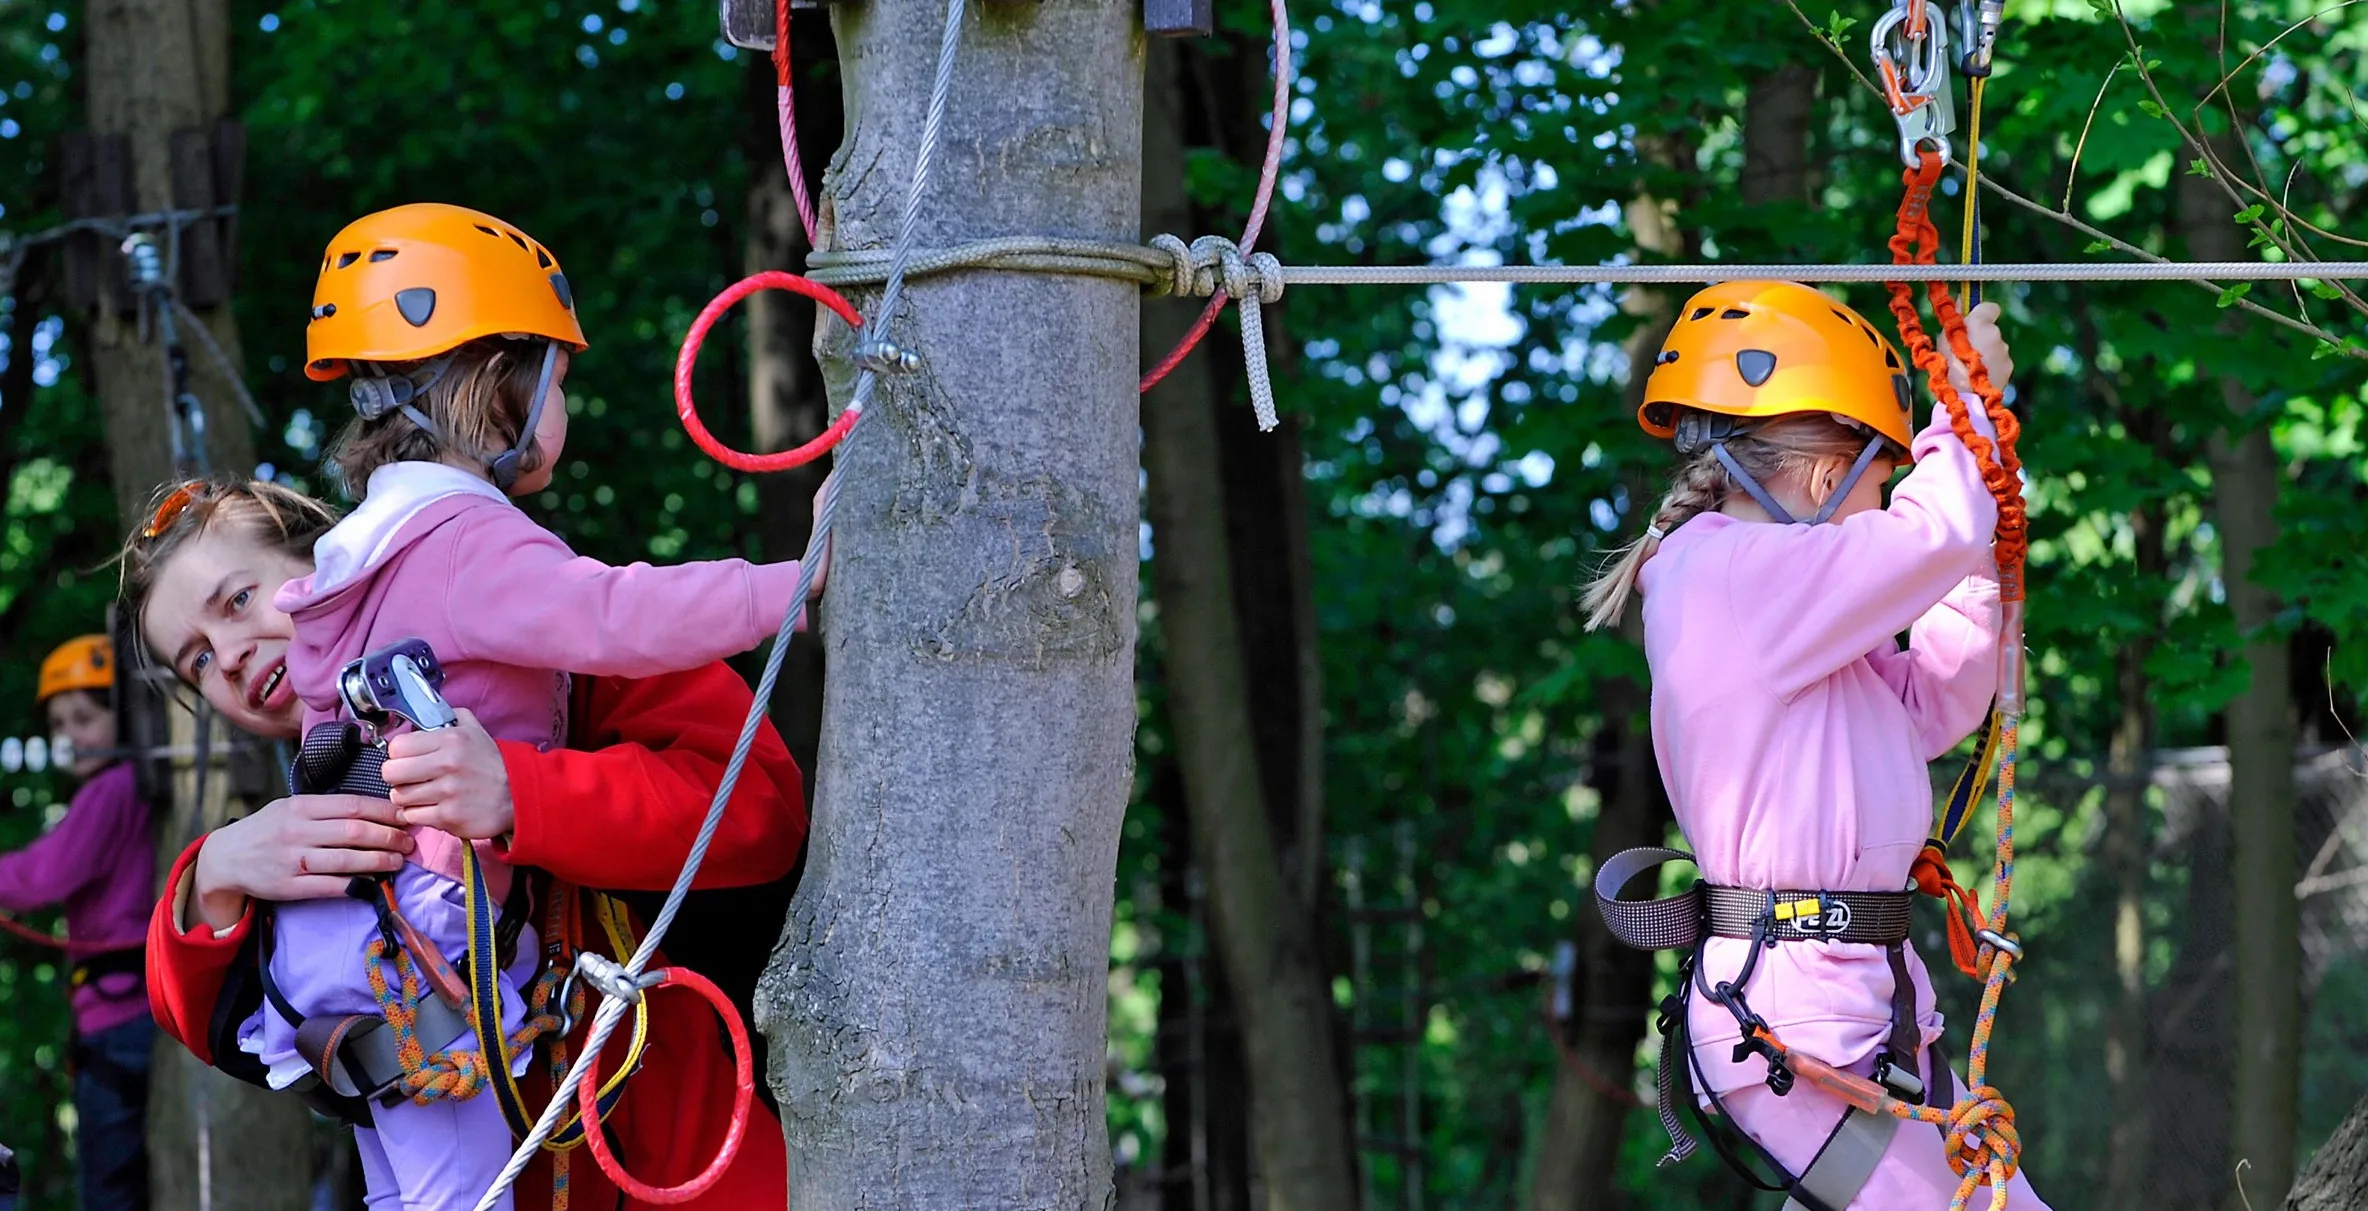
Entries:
{"x":1915,"y":72}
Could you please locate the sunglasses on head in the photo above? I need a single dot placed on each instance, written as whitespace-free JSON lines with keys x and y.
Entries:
{"x":169,"y":510}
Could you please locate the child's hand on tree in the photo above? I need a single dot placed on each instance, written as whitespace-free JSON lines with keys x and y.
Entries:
{"x":452,"y":778}
{"x":822,"y":562}
{"x":1981,"y":327}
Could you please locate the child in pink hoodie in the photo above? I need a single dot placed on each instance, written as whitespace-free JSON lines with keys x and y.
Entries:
{"x":458,"y":345}
{"x":1792,"y":730}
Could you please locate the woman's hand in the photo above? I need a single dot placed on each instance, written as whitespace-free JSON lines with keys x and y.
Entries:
{"x":452,"y":778}
{"x":306,"y":847}
{"x":1981,"y":328}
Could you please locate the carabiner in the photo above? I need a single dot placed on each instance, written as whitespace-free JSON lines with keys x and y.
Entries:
{"x":1978,"y":30}
{"x":1915,"y":72}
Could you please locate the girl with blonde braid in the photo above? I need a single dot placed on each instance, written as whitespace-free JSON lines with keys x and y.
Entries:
{"x":1793,"y":730}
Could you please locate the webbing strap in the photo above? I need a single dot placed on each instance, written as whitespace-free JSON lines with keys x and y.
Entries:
{"x":1874,"y":918}
{"x":1966,"y":794}
{"x":485,"y":1015}
{"x":1841,"y":1169}
{"x":1671,"y":923}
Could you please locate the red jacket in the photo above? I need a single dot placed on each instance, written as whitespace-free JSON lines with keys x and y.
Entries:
{"x":616,"y":812}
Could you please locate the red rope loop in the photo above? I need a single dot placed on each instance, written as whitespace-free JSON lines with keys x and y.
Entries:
{"x":688,"y":360}
{"x":588,"y":1093}
{"x":1917,"y":242}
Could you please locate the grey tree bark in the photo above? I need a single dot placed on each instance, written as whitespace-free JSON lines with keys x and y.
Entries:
{"x":937,"y":1006}
{"x":1259,"y":904}
{"x":2246,"y":477}
{"x":2337,"y":1179}
{"x":153,"y":67}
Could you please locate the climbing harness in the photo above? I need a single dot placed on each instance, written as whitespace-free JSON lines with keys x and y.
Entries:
{"x":1907,"y":1073}
{"x":1979,"y":1137}
{"x":414,"y":1047}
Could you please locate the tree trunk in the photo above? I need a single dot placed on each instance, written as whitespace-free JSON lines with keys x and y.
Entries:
{"x":1613,"y":986}
{"x":2246,"y":479}
{"x":155,"y":67}
{"x":1776,"y":117}
{"x":1263,"y":933}
{"x":1193,"y":99}
{"x":2128,"y":855}
{"x":2337,"y":1179}
{"x":937,"y":1008}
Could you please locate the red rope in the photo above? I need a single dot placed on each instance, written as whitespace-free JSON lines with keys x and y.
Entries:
{"x":1917,"y":242}
{"x":1266,"y":177}
{"x":688,"y":360}
{"x":56,"y":942}
{"x":588,"y":1093}
{"x":786,"y":112}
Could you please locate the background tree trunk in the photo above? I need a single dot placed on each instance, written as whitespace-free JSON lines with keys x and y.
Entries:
{"x":1215,"y":607}
{"x":2337,"y":1179}
{"x":154,"y":67}
{"x":1577,"y":1165}
{"x":2128,"y":855}
{"x":937,"y":1008}
{"x":2246,"y":478}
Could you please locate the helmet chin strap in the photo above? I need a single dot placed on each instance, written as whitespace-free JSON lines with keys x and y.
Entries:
{"x":504,"y":468}
{"x":1778,"y":512}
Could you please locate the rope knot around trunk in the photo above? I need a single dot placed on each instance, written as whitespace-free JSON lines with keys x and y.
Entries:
{"x":1216,"y":267}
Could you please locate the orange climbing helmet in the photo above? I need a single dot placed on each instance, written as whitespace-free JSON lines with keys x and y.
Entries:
{"x":85,"y":662}
{"x":1754,"y":350}
{"x":416,"y":281}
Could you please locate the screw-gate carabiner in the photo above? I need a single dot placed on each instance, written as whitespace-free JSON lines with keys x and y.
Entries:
{"x":1978,"y":30}
{"x":1915,"y":70}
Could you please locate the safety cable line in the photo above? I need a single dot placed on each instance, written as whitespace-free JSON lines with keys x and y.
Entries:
{"x":612,"y":1007}
{"x":1164,"y":270}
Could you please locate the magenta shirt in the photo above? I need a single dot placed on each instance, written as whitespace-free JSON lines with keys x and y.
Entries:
{"x":1794,"y":732}
{"x":100,"y":863}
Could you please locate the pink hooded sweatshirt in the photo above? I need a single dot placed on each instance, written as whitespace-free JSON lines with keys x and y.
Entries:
{"x":1794,"y":733}
{"x":438,"y":554}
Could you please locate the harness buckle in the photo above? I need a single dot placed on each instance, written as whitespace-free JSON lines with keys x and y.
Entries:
{"x":1755,"y":1041}
{"x":1823,"y":916}
{"x":1902,"y":1081}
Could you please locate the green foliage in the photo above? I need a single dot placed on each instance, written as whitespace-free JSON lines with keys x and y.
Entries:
{"x":1471,"y":454}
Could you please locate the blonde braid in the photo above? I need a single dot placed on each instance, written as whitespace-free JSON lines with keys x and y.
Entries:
{"x":1787,"y":447}
{"x":1699,"y":486}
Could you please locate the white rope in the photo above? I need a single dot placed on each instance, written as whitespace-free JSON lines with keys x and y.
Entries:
{"x":612,"y":1008}
{"x":1213,"y":263}
{"x":1996,"y":271}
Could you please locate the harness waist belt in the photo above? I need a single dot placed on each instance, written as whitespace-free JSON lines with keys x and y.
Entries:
{"x":1877,"y":918}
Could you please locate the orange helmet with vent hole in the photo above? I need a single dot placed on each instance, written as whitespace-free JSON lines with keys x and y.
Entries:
{"x":86,"y":662}
{"x":416,"y":281}
{"x":1755,"y":350}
